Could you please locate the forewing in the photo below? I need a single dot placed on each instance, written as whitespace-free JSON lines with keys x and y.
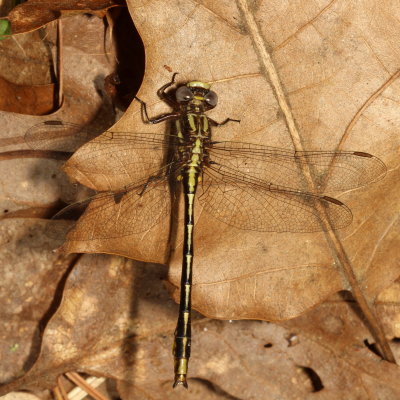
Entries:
{"x":57,"y":136}
{"x":251,"y":205}
{"x":115,"y":215}
{"x":116,"y":159}
{"x":331,"y":170}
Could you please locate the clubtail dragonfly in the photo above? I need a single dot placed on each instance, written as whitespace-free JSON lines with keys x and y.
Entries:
{"x":247,"y":186}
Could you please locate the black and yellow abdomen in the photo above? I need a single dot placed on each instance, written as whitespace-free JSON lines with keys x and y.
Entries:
{"x":193,"y":129}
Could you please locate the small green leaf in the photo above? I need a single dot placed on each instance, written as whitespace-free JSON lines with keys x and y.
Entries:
{"x":5,"y":29}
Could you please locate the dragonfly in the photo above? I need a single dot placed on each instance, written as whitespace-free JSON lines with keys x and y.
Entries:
{"x":244,"y":185}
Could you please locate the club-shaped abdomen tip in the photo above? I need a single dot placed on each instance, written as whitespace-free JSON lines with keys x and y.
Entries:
{"x":180,"y":379}
{"x":180,"y":369}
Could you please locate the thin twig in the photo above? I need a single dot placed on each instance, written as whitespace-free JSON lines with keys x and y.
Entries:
{"x":78,"y":380}
{"x":60,"y":58}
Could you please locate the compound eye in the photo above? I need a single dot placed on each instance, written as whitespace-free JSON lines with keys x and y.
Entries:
{"x":211,"y":98}
{"x":183,"y":94}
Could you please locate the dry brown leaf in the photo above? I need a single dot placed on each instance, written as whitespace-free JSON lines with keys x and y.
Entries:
{"x":33,"y":14}
{"x":23,"y":99}
{"x":26,"y":71}
{"x":31,"y":273}
{"x":386,"y":303}
{"x":115,"y":320}
{"x":334,"y":103}
{"x":107,"y":304}
{"x":26,"y":59}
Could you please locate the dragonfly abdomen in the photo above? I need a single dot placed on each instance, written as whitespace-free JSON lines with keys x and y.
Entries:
{"x":195,"y":131}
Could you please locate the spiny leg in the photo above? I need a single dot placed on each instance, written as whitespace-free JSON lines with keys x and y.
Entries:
{"x":163,"y":96}
{"x":216,"y":123}
{"x":165,"y":117}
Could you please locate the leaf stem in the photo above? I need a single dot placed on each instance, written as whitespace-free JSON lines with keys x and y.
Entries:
{"x":336,"y":246}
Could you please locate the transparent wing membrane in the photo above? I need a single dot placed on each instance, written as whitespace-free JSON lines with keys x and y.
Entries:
{"x":128,"y":161}
{"x":331,"y":170}
{"x":115,"y":215}
{"x":65,"y":136}
{"x":268,"y":208}
{"x":57,"y":136}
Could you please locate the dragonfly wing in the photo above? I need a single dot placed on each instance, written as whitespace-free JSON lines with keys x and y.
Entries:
{"x":116,"y":159}
{"x":118,"y":214}
{"x":250,"y":205}
{"x":56,"y":135}
{"x":65,"y":136}
{"x":331,"y":170}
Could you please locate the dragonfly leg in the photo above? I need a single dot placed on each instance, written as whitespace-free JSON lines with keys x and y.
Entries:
{"x":164,"y":96}
{"x":216,"y":123}
{"x":156,"y":120}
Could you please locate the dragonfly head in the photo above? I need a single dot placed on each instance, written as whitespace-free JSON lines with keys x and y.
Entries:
{"x":196,"y":96}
